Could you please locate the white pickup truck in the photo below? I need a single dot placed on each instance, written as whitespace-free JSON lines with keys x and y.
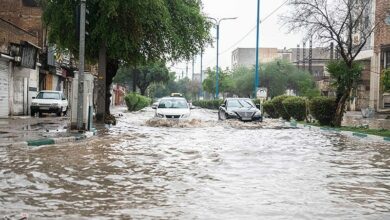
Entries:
{"x":48,"y":101}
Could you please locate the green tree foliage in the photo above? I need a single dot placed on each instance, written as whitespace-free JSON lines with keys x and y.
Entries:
{"x":280,"y":75}
{"x":135,"y":32}
{"x":345,"y":79}
{"x":225,"y":81}
{"x":143,"y":76}
{"x":243,"y":78}
{"x":136,"y":102}
{"x":385,"y":80}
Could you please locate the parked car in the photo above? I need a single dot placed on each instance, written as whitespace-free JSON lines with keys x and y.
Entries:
{"x":240,"y":108}
{"x":48,"y":101}
{"x":172,"y":107}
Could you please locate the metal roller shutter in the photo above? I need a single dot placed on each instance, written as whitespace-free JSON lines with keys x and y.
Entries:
{"x":4,"y":84}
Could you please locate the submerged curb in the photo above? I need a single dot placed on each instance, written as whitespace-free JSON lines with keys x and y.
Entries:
{"x":50,"y":141}
{"x":336,"y":130}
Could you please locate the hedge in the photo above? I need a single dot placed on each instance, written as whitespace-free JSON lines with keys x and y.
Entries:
{"x":270,"y":109}
{"x":296,"y":107}
{"x":209,"y":104}
{"x":136,"y":102}
{"x":277,"y":102}
{"x":323,"y":109}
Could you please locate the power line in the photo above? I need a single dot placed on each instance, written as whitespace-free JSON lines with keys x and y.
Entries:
{"x":263,"y":20}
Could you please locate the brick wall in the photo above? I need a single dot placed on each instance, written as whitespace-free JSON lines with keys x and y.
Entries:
{"x":19,"y":22}
{"x":382,"y":34}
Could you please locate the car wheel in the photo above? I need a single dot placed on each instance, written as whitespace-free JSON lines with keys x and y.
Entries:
{"x":221,"y":116}
{"x":66,"y":111}
{"x":59,"y":113}
{"x":40,"y":114}
{"x":33,"y":113}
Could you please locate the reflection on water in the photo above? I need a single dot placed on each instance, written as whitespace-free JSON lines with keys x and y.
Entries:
{"x":199,"y":169}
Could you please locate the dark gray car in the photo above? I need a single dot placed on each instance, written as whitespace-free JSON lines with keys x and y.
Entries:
{"x":240,"y":108}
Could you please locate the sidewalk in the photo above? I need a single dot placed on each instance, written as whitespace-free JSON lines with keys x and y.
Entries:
{"x":33,"y":131}
{"x":355,"y":119}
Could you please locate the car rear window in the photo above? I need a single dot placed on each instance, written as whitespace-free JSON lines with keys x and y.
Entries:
{"x":48,"y":95}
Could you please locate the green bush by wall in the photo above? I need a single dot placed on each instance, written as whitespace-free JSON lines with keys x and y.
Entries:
{"x":296,"y":107}
{"x":269,"y":108}
{"x":209,"y":104}
{"x":323,"y":109}
{"x":277,"y":102}
{"x":136,"y":102}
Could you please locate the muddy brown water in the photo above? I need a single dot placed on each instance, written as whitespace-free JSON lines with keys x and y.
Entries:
{"x":199,"y":169}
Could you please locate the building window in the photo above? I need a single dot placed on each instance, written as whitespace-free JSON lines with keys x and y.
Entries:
{"x":30,"y":3}
{"x":387,"y":59}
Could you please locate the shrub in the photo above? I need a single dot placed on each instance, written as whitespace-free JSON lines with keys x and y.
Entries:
{"x":279,"y":107}
{"x":136,"y":102}
{"x":209,"y":104}
{"x":270,"y":110}
{"x":323,"y":109}
{"x":295,"y":107}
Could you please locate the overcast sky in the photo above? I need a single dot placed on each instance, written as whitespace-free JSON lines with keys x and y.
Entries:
{"x":272,"y":33}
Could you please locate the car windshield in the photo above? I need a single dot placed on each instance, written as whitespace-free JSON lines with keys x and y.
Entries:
{"x":240,"y":103}
{"x":48,"y":95}
{"x":173,"y":103}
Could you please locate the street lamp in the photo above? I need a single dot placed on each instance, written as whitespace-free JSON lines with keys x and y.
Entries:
{"x":217,"y":22}
{"x":257,"y":49}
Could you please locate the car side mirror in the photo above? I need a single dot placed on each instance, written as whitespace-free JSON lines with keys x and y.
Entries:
{"x":223,"y":105}
{"x":192,"y":107}
{"x":64,"y":98}
{"x":154,"y":107}
{"x":258,"y":106}
{"x":33,"y":97}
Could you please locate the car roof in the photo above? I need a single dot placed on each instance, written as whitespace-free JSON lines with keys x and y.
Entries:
{"x":180,"y":98}
{"x":50,"y":91}
{"x":227,"y":99}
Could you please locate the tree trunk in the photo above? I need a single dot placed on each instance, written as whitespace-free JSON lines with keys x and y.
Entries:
{"x":101,"y":85}
{"x":112,"y":68}
{"x":143,"y":90}
{"x":134,"y":82}
{"x":341,"y":108}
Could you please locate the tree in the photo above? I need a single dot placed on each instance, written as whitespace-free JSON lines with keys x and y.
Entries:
{"x":243,"y":78}
{"x":143,"y":76}
{"x":347,"y":23}
{"x":225,"y":81}
{"x":135,"y":32}
{"x":280,"y":75}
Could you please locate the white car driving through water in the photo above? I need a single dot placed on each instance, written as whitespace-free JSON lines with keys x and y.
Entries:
{"x":172,"y":107}
{"x":48,"y":101}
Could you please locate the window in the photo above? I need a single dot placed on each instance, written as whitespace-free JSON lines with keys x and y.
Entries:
{"x":387,"y":59}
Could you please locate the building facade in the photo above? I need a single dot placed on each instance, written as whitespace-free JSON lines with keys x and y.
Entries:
{"x":20,"y":41}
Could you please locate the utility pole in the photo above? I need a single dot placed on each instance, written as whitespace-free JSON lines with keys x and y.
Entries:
{"x":80,"y":102}
{"x":298,"y":55}
{"x":257,"y":81}
{"x":193,"y":68}
{"x":311,"y":55}
{"x":304,"y":55}
{"x":201,"y":75}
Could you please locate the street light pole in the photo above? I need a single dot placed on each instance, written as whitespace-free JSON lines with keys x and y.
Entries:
{"x":217,"y":23}
{"x":257,"y":50}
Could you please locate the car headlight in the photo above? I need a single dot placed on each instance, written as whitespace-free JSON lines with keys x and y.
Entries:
{"x":160,"y":115}
{"x":34,"y":104}
{"x":258,"y":113}
{"x":231,"y":113}
{"x":54,"y":105}
{"x":185,"y":116}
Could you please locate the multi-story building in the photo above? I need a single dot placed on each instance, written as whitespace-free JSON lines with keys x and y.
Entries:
{"x":381,"y":56}
{"x":20,"y":40}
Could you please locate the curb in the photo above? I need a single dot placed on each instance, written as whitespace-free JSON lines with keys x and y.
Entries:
{"x":51,"y":141}
{"x":336,"y":130}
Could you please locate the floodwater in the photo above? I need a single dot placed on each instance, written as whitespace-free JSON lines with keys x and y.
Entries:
{"x":199,"y":169}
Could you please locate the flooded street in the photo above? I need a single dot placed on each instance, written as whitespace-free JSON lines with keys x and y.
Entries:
{"x":201,"y":169}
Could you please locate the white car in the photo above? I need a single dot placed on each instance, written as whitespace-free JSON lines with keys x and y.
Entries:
{"x":173,"y":107}
{"x":48,"y":101}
